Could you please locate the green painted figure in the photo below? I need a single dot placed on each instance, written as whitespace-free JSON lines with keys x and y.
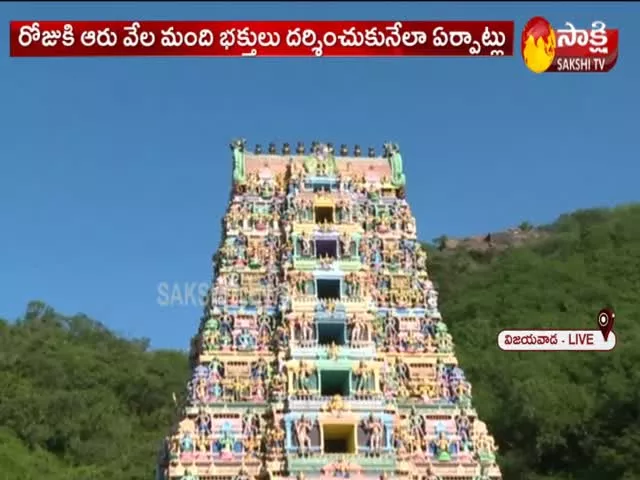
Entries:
{"x":392,"y":153}
{"x":239,"y":172}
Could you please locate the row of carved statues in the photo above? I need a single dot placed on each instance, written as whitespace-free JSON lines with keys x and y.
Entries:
{"x":257,"y":217}
{"x":354,"y":205}
{"x":262,"y":222}
{"x":382,"y":286}
{"x":383,"y":219}
{"x":296,"y":180}
{"x":400,"y":257}
{"x":256,"y":222}
{"x":363,"y":197}
{"x":270,"y":186}
{"x":255,"y":435}
{"x":420,"y":333}
{"x":356,"y":191}
{"x":356,"y":187}
{"x":322,"y":162}
{"x":261,"y":380}
{"x":267,"y":291}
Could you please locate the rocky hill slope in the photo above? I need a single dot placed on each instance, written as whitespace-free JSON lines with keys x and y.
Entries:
{"x":513,"y":237}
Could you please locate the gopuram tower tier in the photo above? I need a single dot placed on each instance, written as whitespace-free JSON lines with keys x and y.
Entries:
{"x":322,"y":353}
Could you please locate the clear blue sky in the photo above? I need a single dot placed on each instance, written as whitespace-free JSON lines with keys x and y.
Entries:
{"x":114,"y":173}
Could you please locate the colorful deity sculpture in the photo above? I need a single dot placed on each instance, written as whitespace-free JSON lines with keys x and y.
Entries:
{"x":322,"y":352}
{"x":238,"y":161}
{"x":392,"y":153}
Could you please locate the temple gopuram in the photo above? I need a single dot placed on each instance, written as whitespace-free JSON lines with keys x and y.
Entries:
{"x":322,"y":353}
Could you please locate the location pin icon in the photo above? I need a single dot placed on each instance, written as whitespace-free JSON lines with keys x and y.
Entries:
{"x":606,"y":319}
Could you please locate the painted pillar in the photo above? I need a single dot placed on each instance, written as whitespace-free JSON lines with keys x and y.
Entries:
{"x":355,"y":439}
{"x":289,"y":433}
{"x":388,"y":431}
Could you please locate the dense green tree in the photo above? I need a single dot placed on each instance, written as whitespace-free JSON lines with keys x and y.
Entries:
{"x":80,"y":400}
{"x":556,"y":415}
{"x":81,"y":403}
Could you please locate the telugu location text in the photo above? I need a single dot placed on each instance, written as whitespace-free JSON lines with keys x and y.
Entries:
{"x":556,"y":340}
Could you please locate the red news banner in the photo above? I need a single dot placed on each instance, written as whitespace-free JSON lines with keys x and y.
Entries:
{"x":261,"y":38}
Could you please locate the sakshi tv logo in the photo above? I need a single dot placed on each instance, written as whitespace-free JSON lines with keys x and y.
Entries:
{"x":547,"y":49}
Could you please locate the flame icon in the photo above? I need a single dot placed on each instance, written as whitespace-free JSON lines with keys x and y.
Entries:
{"x":538,"y":45}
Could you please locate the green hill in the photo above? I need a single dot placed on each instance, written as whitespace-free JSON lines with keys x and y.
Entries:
{"x":80,"y":403}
